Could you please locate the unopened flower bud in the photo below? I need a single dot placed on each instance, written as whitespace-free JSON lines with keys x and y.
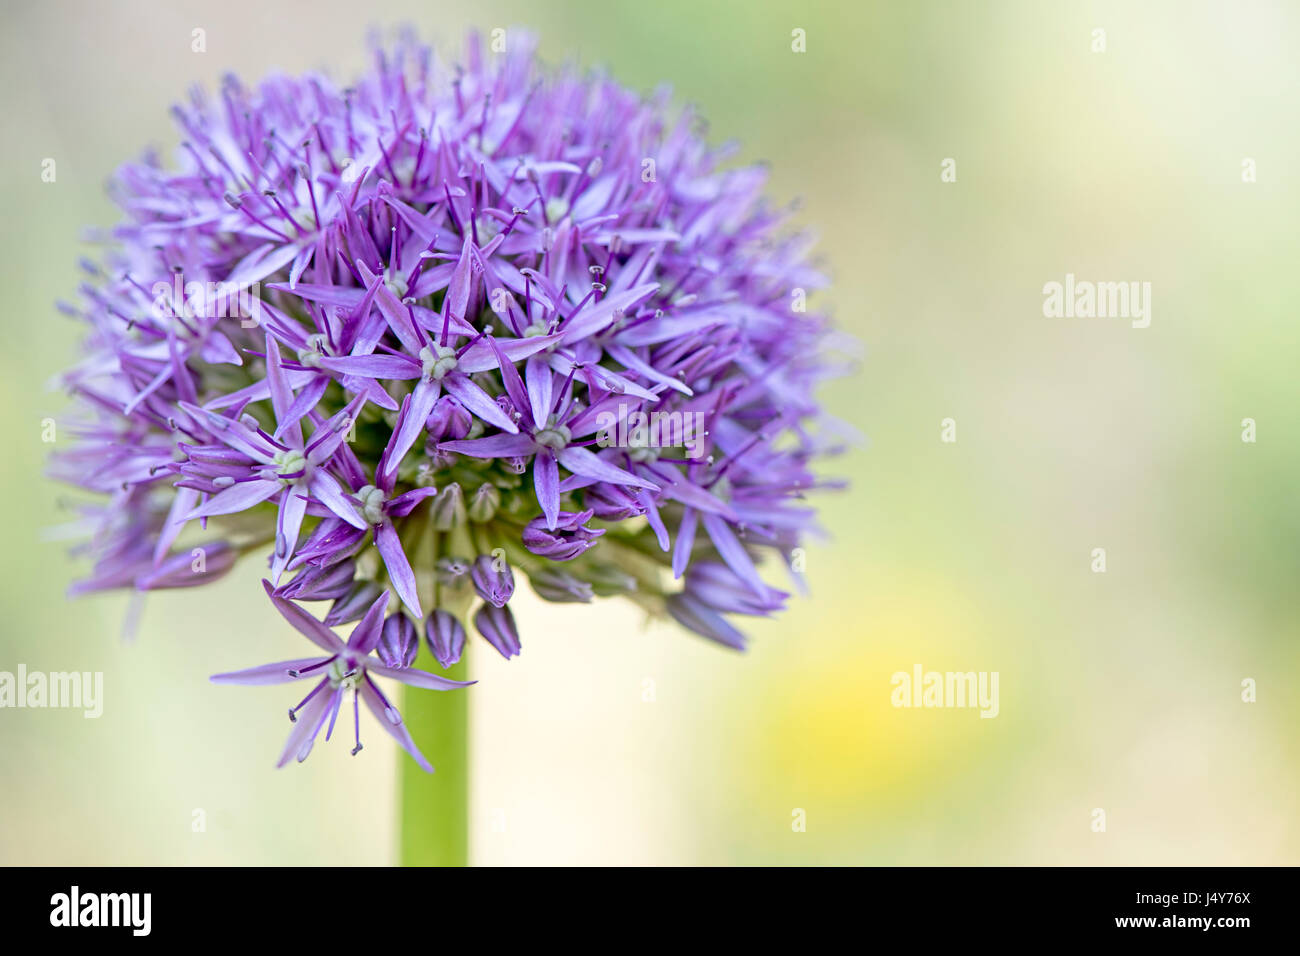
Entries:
{"x":451,"y":570}
{"x":612,"y":503}
{"x":493,"y":579}
{"x":449,"y":420}
{"x":566,"y":541}
{"x":449,"y":508}
{"x":446,"y":637}
{"x":188,"y":568}
{"x":398,"y":643}
{"x":321,"y":584}
{"x":703,"y":620}
{"x":561,"y":587}
{"x":608,"y":580}
{"x":353,"y":605}
{"x":497,"y":624}
{"x":483,"y":506}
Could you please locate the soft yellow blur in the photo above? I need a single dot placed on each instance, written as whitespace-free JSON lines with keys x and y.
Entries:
{"x":608,"y":741}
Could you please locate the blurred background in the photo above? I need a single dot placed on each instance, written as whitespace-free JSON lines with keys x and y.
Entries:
{"x":614,"y":741}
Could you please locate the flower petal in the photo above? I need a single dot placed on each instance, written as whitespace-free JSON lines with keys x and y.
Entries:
{"x":314,"y":630}
{"x":293,"y":507}
{"x":494,"y":446}
{"x":397,"y":731}
{"x":418,"y":678}
{"x":734,"y":553}
{"x":580,"y":461}
{"x":478,"y":401}
{"x":399,"y":568}
{"x":309,"y":721}
{"x":410,"y":422}
{"x":326,"y":490}
{"x":546,"y":482}
{"x":238,"y":497}
{"x":277,"y":673}
{"x":367,"y":633}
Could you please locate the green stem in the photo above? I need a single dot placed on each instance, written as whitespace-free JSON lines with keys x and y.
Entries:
{"x":434,"y":813}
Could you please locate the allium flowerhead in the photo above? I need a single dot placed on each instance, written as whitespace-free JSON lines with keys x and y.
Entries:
{"x":412,"y":337}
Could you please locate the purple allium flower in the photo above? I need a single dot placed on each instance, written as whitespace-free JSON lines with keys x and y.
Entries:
{"x":561,"y":539}
{"x":346,"y":667}
{"x":371,"y":332}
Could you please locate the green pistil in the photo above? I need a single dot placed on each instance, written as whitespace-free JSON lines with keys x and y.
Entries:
{"x":438,"y":362}
{"x":487,"y":229}
{"x":557,"y":207}
{"x":311,"y":355}
{"x":341,"y":676}
{"x":554,"y":436}
{"x":290,"y":462}
{"x":372,"y":504}
{"x":396,"y":285}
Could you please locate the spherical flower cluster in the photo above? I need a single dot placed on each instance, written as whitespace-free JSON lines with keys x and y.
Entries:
{"x":422,"y":336}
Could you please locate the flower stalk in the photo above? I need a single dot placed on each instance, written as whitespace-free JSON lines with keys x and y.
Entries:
{"x":433,"y":816}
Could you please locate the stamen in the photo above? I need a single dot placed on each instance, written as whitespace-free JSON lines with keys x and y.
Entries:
{"x":323,"y":662}
{"x":293,"y":711}
{"x":308,"y":176}
{"x":334,"y":713}
{"x":356,"y":720}
{"x":389,"y":710}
